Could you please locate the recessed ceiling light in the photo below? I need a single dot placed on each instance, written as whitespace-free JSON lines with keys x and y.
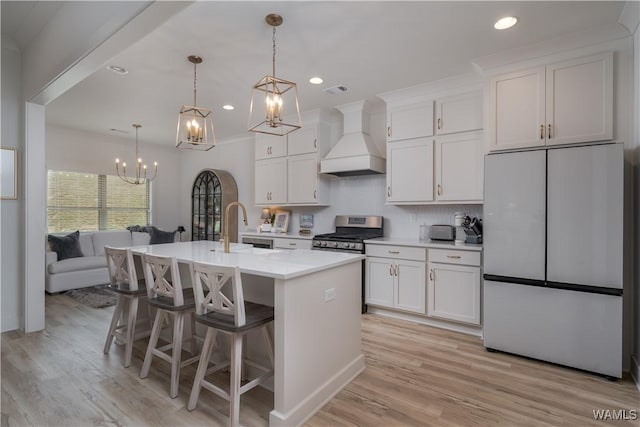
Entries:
{"x":506,"y":22}
{"x":315,"y":80}
{"x":228,"y":107}
{"x":117,"y":70}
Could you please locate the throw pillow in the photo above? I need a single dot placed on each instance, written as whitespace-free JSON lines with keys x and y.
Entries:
{"x":66,"y":246}
{"x":159,"y":236}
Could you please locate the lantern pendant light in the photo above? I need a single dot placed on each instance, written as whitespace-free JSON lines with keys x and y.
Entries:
{"x":140,"y":176}
{"x":195,"y":124}
{"x":274,"y":102}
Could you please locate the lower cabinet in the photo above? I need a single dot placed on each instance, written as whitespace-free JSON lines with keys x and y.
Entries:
{"x":453,"y":289}
{"x":395,"y":283}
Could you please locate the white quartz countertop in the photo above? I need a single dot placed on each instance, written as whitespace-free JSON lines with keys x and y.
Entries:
{"x":424,"y":244}
{"x":269,"y":235}
{"x":274,"y":263}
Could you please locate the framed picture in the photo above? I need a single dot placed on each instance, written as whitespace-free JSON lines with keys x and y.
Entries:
{"x":8,"y":174}
{"x":281,"y":223}
{"x":306,"y":221}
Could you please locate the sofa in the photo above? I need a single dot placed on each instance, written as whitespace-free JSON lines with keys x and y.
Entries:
{"x":91,"y":268}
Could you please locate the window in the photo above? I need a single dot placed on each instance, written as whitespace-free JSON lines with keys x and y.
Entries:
{"x":81,"y":201}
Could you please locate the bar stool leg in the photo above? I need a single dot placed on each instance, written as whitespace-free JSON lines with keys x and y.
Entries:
{"x":203,"y":364}
{"x":131,"y":330}
{"x":114,"y":324}
{"x":153,"y":342}
{"x":236,"y":368}
{"x":176,"y":353}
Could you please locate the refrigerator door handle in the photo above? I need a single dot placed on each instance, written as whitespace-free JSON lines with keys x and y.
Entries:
{"x":514,"y":280}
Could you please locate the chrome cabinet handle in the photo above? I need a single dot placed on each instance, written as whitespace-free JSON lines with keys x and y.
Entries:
{"x":390,"y":270}
{"x":388,"y":130}
{"x":439,"y":190}
{"x":315,"y":143}
{"x":453,"y":256}
{"x":315,"y":194}
{"x":292,"y":244}
{"x":439,"y":123}
{"x":397,"y":270}
{"x":388,"y":191}
{"x":431,"y":274}
{"x":541,"y":131}
{"x":394,"y":252}
{"x":549,"y":133}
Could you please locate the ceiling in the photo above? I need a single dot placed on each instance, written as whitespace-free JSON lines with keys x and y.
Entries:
{"x":370,"y":47}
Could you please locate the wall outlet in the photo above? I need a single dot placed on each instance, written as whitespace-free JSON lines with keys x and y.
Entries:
{"x":329,"y":294}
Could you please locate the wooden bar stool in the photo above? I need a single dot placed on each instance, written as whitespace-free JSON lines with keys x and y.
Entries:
{"x":235,"y":318}
{"x":124,"y":281}
{"x":171,"y":303}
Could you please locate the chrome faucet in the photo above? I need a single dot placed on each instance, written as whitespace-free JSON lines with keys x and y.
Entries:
{"x":226,"y":223}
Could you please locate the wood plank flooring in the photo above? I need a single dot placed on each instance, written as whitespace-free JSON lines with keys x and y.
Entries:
{"x":416,"y":375}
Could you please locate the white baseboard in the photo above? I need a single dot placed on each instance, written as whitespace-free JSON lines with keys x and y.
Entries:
{"x":635,"y":371}
{"x":452,"y":326}
{"x":305,"y":409}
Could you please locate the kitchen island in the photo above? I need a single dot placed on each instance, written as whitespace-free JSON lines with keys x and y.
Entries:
{"x":316,"y":299}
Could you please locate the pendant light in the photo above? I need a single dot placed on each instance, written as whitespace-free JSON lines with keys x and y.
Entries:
{"x":195,"y":124}
{"x":140,"y":176}
{"x":274,"y":102}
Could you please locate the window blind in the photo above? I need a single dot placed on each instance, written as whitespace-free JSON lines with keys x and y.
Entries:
{"x":81,"y":201}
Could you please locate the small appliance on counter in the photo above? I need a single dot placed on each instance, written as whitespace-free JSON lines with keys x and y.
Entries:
{"x":442,"y":232}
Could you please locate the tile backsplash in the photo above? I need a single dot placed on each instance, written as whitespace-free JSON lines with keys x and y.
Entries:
{"x":365,"y":195}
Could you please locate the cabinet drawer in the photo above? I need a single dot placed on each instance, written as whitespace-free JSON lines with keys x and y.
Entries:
{"x":454,"y":257}
{"x":397,"y":252}
{"x":291,"y":244}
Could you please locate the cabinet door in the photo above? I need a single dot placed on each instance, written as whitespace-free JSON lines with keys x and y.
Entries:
{"x":579,"y":100}
{"x":271,"y":181}
{"x":518,"y":110}
{"x":379,"y":282}
{"x":302,"y":182}
{"x":458,"y":167}
{"x":268,"y":146}
{"x":410,"y":286}
{"x":410,"y":121}
{"x":459,"y":113}
{"x":302,"y":141}
{"x":410,"y":171}
{"x":454,"y":292}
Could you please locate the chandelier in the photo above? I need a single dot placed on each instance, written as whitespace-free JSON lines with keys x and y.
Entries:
{"x":277,"y":96}
{"x":140,"y":176}
{"x":195,"y":124}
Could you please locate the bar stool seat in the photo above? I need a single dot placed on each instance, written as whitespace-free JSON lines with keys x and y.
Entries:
{"x":130,"y":289}
{"x":171,"y":303}
{"x":234,"y":317}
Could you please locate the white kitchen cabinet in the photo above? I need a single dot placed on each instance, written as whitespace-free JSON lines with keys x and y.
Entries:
{"x":393,"y":281}
{"x":270,"y":146}
{"x":410,"y":171}
{"x":271,"y":181}
{"x":410,"y":121}
{"x":563,"y":103}
{"x":302,"y":141}
{"x":459,"y":113}
{"x":453,"y":287}
{"x":459,"y":167}
{"x":304,"y":184}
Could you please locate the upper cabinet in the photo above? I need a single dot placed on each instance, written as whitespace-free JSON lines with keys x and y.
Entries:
{"x":427,"y":167}
{"x":563,"y":103}
{"x":270,"y":146}
{"x":286,"y":167}
{"x":460,"y":113}
{"x":410,"y":121}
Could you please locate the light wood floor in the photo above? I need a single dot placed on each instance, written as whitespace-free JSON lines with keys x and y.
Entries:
{"x":415,"y":375}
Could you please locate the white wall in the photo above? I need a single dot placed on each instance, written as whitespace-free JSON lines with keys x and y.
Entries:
{"x":80,"y":151}
{"x":11,"y":211}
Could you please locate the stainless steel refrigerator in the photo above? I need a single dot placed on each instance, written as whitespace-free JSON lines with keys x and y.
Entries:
{"x":553,"y":230}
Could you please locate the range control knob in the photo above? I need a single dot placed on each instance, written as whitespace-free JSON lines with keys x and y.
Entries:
{"x":352,"y":245}
{"x":334,"y":244}
{"x":323,"y":243}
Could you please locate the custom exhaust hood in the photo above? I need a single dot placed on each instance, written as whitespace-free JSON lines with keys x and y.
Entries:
{"x":355,"y":153}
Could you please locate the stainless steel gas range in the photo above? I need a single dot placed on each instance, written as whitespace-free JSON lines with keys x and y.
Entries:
{"x":351,"y":232}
